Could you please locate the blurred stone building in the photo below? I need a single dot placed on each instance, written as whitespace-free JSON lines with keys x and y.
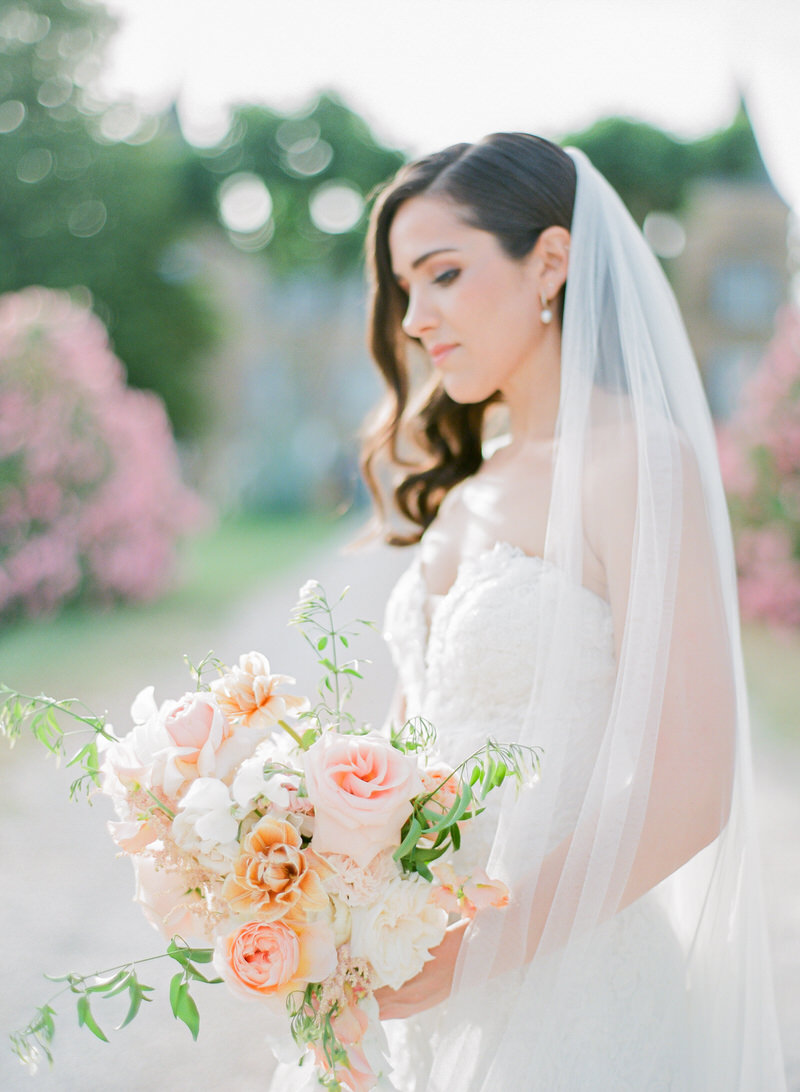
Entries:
{"x":730,"y":278}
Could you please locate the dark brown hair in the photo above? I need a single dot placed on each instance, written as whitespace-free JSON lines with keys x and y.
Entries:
{"x":511,"y":184}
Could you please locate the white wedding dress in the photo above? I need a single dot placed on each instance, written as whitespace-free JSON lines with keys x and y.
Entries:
{"x":465,"y":662}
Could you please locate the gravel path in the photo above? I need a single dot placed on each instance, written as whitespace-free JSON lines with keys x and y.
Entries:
{"x":67,"y":899}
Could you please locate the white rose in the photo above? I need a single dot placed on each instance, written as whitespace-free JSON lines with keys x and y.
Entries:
{"x":397,"y":933}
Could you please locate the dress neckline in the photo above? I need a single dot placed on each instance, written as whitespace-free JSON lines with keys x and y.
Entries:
{"x":478,"y":561}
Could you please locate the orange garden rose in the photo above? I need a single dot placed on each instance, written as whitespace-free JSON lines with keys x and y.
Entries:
{"x":269,"y":959}
{"x":272,"y":876}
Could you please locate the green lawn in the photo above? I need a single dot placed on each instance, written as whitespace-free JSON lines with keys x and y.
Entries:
{"x":65,"y":655}
{"x":773,"y":675}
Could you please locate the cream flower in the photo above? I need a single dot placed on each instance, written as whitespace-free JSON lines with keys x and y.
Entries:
{"x":397,"y":933}
{"x":248,"y":694}
{"x":357,"y":886}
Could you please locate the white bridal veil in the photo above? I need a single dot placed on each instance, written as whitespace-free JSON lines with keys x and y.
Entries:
{"x":632,"y":412}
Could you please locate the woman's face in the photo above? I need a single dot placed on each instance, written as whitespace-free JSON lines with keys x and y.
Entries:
{"x":475,"y":310}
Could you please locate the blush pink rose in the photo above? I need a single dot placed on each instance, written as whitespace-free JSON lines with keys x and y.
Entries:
{"x":361,"y":788}
{"x":198,"y":729}
{"x":269,"y":959}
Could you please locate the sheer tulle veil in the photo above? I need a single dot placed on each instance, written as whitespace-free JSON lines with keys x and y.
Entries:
{"x":631,"y":407}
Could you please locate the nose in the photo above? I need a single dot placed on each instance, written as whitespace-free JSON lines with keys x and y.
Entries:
{"x":419,"y":317}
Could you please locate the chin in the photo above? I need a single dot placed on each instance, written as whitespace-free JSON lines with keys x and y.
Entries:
{"x":466,"y":394}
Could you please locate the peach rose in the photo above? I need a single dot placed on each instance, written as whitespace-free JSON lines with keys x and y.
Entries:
{"x":272,"y":876}
{"x":268,"y":959}
{"x":361,"y":788}
{"x":248,"y":694}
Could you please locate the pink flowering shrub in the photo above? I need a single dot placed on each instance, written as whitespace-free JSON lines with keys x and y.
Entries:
{"x":91,"y":500}
{"x":760,"y":458}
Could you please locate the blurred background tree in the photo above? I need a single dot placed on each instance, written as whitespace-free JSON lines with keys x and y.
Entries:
{"x":91,"y":194}
{"x":650,"y":169}
{"x":96,"y":194}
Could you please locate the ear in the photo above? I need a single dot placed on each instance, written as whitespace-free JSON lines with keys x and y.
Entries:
{"x":551,"y":260}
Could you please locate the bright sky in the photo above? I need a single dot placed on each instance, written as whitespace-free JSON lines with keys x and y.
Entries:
{"x":425,"y":73}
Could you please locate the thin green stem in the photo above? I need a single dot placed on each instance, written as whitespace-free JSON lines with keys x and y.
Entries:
{"x":287,"y":728}
{"x":160,"y":804}
{"x":332,"y":634}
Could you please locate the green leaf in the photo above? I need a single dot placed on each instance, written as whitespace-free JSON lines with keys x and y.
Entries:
{"x":431,"y":854}
{"x":108,"y":987}
{"x":86,"y":1019}
{"x":321,"y":643}
{"x":183,"y":1006}
{"x":176,"y":982}
{"x":410,"y":840}
{"x":183,"y":953}
{"x":137,"y":992}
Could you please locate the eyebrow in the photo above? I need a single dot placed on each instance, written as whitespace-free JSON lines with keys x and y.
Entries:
{"x":430,"y":254}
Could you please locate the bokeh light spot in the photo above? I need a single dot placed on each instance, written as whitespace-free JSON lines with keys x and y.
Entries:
{"x":55,"y":92}
{"x":309,"y":157}
{"x":24,"y":25}
{"x":204,"y":125}
{"x":665,"y":234}
{"x":12,"y":115}
{"x":336,"y":207}
{"x":87,"y":219}
{"x":294,"y":130}
{"x":120,"y":122}
{"x":245,"y":203}
{"x":35,"y":165}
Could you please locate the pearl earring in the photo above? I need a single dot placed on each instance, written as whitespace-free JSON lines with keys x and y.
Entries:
{"x":546,"y":315}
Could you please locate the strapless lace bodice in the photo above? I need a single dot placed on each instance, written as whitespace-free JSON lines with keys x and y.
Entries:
{"x":465,"y":661}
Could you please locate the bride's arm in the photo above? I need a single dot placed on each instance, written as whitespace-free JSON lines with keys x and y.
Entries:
{"x":690,"y":790}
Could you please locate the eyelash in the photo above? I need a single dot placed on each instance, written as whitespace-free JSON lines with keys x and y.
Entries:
{"x":447,"y":277}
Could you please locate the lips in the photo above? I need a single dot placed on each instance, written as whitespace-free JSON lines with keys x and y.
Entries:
{"x":438,"y":353}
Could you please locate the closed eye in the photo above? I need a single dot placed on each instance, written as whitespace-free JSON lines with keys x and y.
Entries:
{"x":447,"y":277}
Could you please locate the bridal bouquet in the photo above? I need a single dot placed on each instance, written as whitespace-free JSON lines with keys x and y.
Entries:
{"x":309,"y":861}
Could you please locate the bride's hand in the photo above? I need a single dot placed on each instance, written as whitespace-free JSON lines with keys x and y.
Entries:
{"x":432,"y":985}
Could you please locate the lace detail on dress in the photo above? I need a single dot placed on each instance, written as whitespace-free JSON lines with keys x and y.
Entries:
{"x":465,"y":662}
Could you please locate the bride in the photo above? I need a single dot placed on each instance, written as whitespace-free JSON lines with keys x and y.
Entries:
{"x":546,"y":442}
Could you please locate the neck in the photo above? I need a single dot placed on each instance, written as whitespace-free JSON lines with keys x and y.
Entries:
{"x":532,"y":394}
